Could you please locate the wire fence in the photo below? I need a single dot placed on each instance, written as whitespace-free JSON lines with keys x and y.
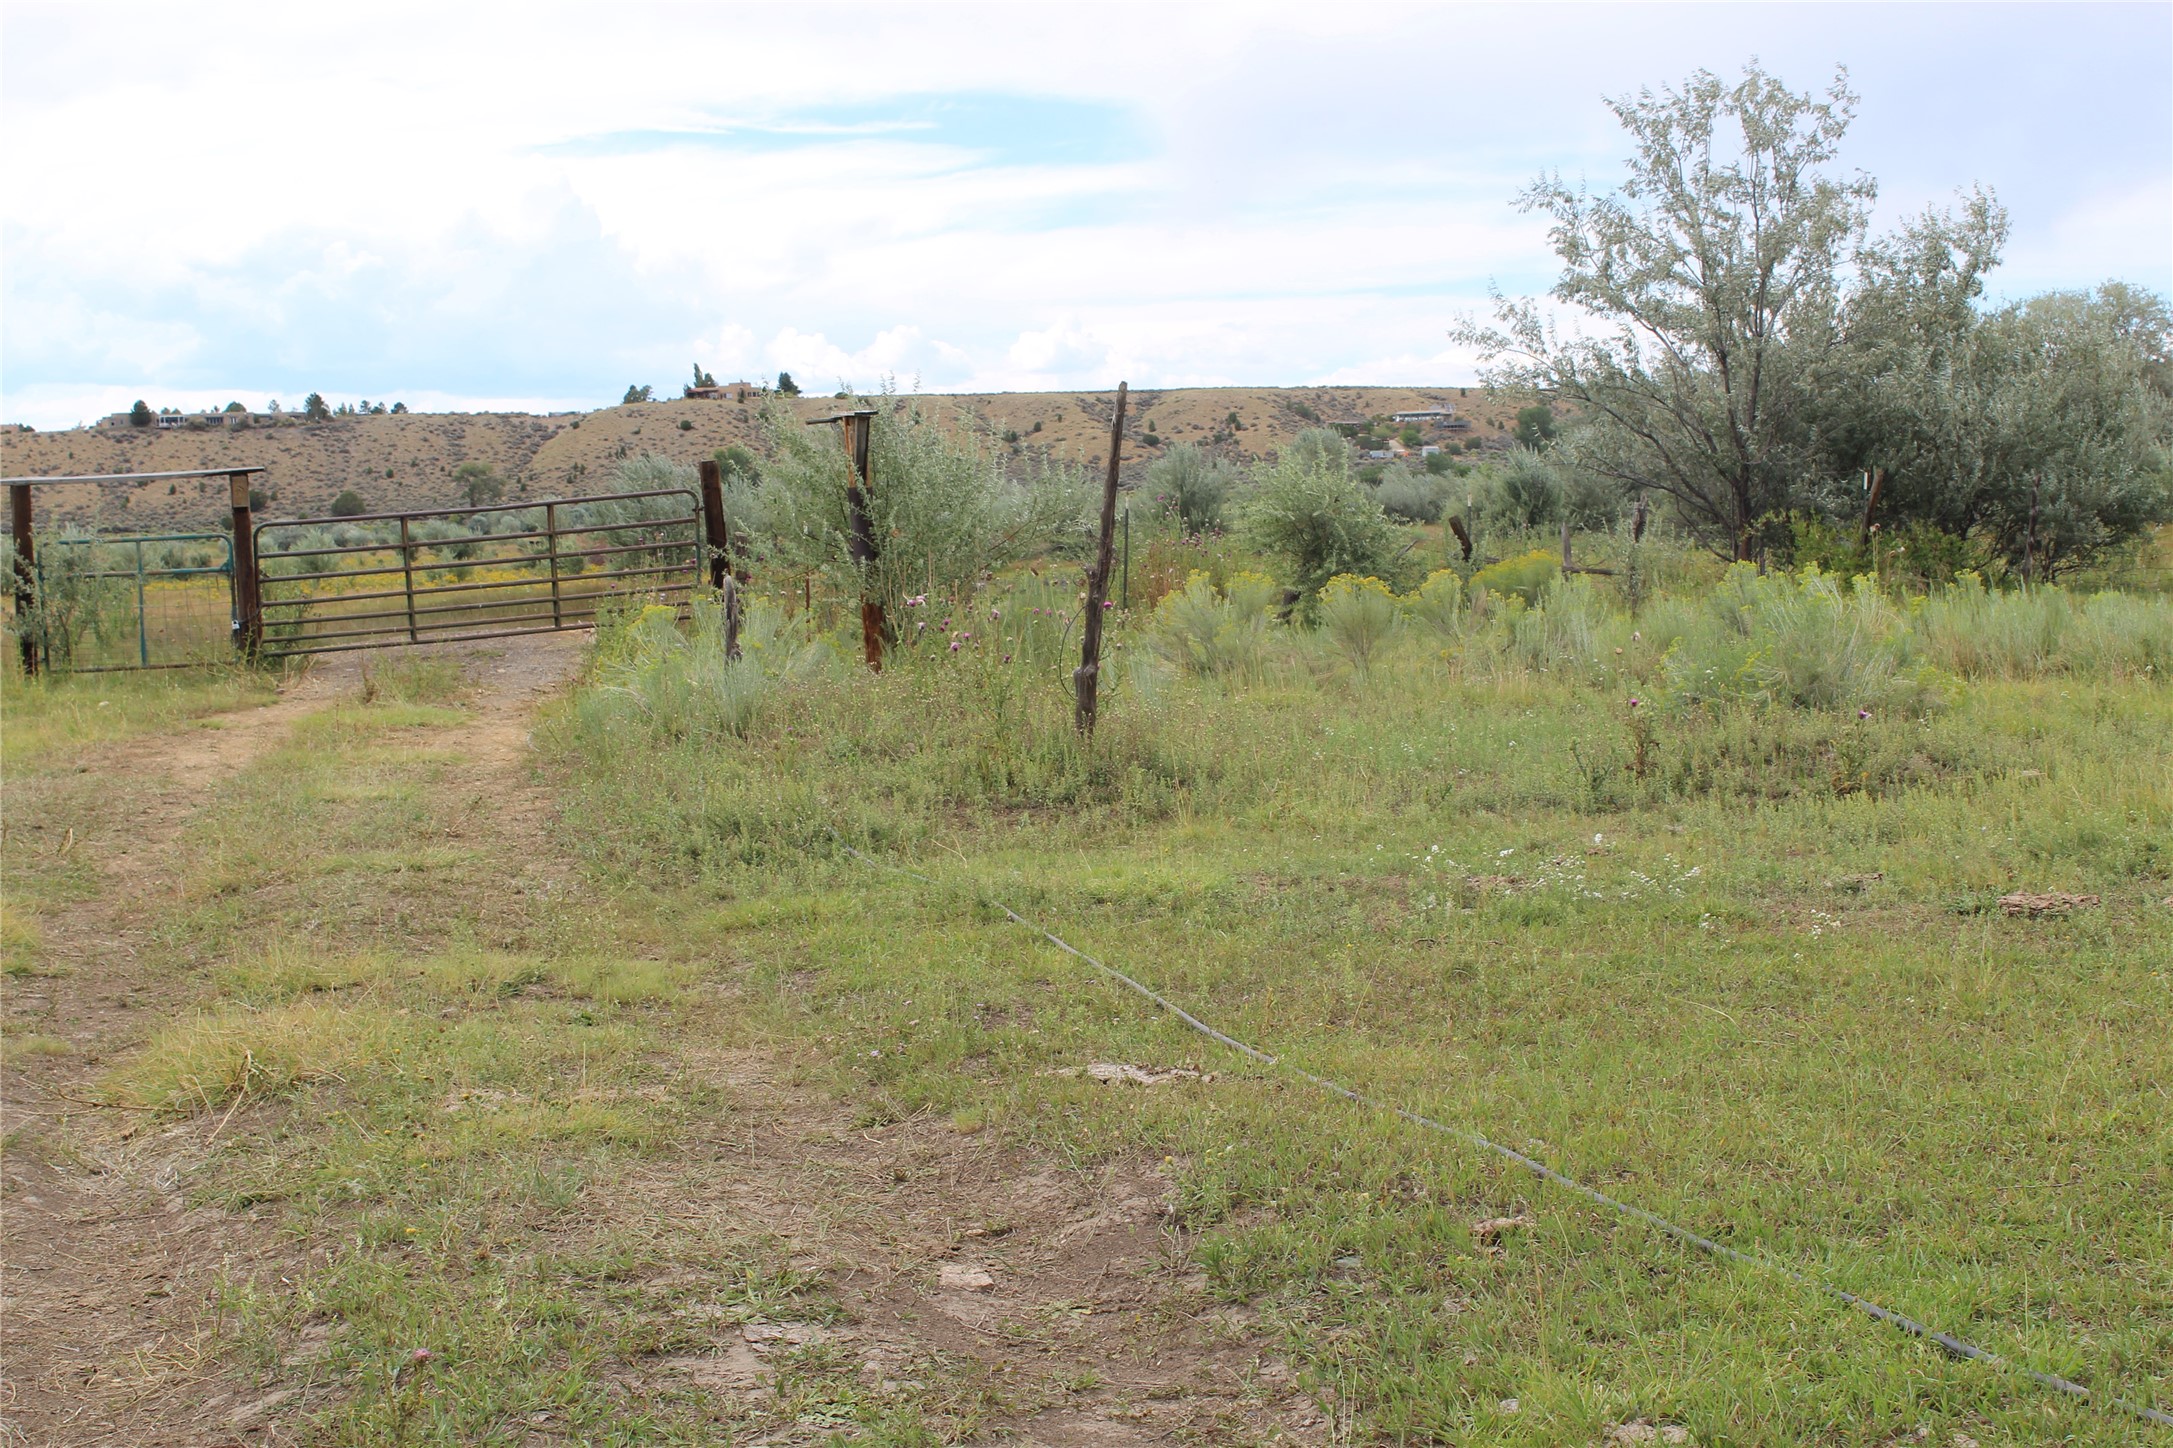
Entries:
{"x":140,"y":601}
{"x":1952,"y":1345}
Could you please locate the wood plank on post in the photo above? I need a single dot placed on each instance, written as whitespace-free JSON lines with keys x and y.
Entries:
{"x":1087,"y":678}
{"x":713,"y":529}
{"x":248,"y":603}
{"x":26,"y":574}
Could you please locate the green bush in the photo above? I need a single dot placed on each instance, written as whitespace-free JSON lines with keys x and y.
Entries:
{"x":1359,"y":616}
{"x":680,"y":684}
{"x":1412,"y":497}
{"x":1437,"y":605}
{"x":1976,"y":632}
{"x":1520,"y":577}
{"x":1311,"y":512}
{"x":1203,"y":630}
{"x":1802,"y":639}
{"x":944,"y":508}
{"x":1192,"y":484}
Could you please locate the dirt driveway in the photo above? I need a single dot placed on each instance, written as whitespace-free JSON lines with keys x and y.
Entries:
{"x":1072,"y":1289}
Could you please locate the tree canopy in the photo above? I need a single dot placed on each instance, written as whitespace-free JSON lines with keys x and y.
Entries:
{"x":1745,"y":349}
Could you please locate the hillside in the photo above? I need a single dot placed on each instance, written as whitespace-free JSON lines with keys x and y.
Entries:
{"x":407,"y":461}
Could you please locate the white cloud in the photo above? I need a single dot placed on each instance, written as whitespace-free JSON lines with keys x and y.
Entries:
{"x":1268,"y":198}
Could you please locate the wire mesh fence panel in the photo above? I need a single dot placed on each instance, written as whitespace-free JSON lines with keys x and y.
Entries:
{"x":142,"y":601}
{"x":381,"y":579}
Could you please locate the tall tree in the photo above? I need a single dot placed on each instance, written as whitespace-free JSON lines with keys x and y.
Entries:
{"x":1714,"y":271}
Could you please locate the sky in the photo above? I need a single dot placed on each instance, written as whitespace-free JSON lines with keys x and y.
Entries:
{"x":535,"y":205}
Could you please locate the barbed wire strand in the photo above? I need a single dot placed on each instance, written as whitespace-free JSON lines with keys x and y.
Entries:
{"x":1954,"y":1346}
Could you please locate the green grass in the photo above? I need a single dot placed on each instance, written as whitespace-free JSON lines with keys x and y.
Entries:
{"x":1742,"y":965}
{"x":53,"y":715}
{"x":1762,"y":987}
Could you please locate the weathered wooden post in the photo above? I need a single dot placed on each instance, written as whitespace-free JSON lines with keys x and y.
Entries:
{"x":248,"y":605}
{"x":1874,"y":485}
{"x":718,"y":537}
{"x":860,"y":538}
{"x":26,"y":574}
{"x":1087,"y":678}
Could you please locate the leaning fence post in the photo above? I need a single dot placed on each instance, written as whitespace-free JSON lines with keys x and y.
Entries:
{"x":248,"y":606}
{"x":1088,"y":676}
{"x":860,"y":538}
{"x":26,"y":574}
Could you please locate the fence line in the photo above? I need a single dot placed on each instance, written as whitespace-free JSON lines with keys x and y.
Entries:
{"x":1954,"y":1346}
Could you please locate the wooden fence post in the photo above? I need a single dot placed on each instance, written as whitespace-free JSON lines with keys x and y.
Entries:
{"x":248,"y":606}
{"x":26,"y":574}
{"x":1874,"y":486}
{"x":718,"y":536}
{"x":713,"y":529}
{"x":1087,"y":678}
{"x":860,"y":544}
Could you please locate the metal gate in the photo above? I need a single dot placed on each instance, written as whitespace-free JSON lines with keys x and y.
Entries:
{"x":133,"y":601}
{"x":375,"y":580}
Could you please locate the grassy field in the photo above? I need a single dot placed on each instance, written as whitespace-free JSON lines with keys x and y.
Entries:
{"x":1761,"y":985}
{"x":446,"y":1019}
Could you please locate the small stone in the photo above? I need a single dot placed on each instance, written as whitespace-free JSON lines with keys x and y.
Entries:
{"x":1492,"y":1227}
{"x":1510,"y":1405}
{"x":956,"y":1278}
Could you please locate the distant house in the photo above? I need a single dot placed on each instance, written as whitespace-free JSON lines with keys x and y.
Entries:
{"x":1436,"y":416}
{"x":1349,"y":426}
{"x":729,"y":392}
{"x":170,"y":420}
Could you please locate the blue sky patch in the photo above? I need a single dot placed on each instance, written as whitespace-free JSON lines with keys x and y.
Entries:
{"x":1001,"y":129}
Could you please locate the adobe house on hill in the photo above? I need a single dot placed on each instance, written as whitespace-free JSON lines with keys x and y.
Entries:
{"x":729,"y":392}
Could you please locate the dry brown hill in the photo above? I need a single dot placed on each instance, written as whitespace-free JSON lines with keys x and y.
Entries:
{"x":407,"y":461}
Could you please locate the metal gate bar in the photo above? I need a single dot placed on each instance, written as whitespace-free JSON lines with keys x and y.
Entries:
{"x":582,"y":545}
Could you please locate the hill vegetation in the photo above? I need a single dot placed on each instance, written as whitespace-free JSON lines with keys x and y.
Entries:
{"x":414,"y":460}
